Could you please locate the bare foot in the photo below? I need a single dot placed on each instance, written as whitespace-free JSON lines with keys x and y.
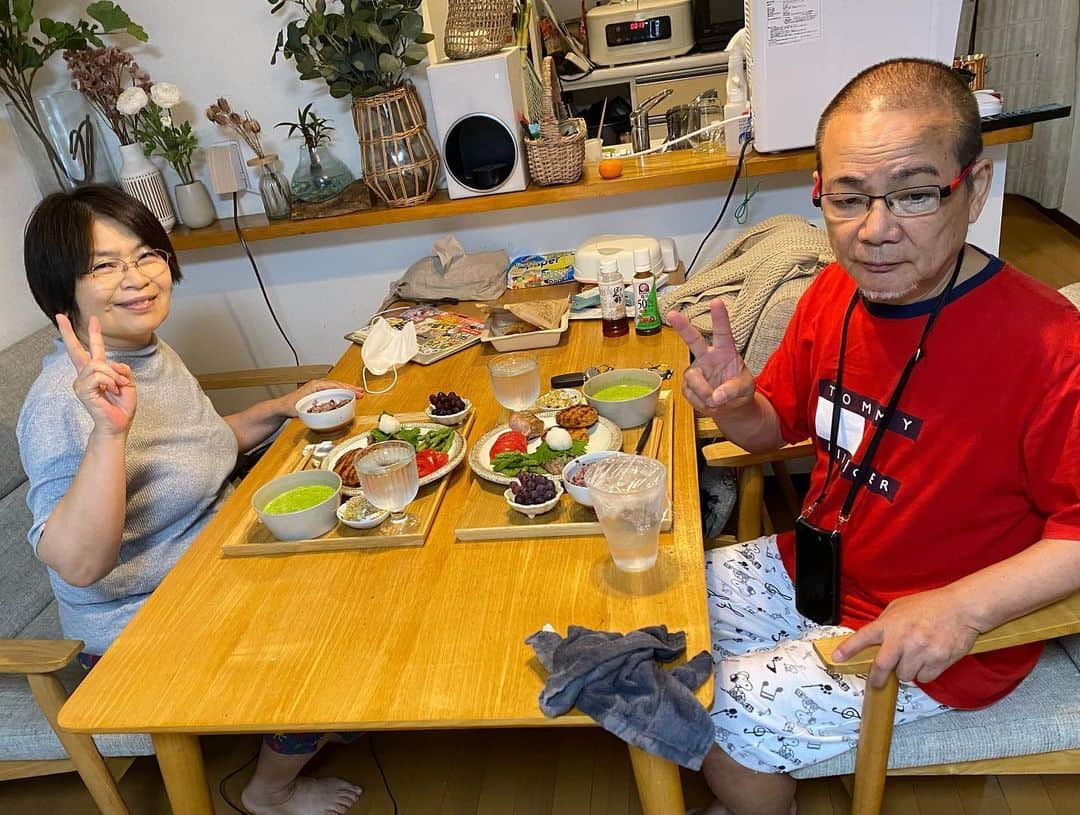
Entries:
{"x":306,"y":796}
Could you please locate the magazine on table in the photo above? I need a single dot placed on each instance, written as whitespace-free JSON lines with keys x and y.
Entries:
{"x":439,"y":333}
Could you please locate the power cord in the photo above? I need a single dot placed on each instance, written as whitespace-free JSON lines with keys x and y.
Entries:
{"x":723,"y":209}
{"x":225,"y":779}
{"x":258,"y":277}
{"x":386,"y":784}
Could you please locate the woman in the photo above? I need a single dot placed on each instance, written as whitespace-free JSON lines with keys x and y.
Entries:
{"x":127,"y":465}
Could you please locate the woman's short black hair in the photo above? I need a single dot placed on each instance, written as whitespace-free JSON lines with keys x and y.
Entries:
{"x":58,"y":245}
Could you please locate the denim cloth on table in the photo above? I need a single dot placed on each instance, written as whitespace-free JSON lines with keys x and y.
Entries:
{"x":616,"y":679}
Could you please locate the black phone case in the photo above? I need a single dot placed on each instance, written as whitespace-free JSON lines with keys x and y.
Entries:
{"x":817,"y":573}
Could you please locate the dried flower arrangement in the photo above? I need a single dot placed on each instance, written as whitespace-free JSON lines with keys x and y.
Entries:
{"x":102,"y":74}
{"x":246,"y":127}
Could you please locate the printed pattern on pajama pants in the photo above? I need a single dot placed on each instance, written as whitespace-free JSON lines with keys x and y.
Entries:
{"x":777,"y":708}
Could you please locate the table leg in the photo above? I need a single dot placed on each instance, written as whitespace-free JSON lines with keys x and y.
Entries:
{"x":181,"y":762}
{"x":658,"y":784}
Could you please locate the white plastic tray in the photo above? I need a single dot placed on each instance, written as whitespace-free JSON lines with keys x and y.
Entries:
{"x":532,"y":339}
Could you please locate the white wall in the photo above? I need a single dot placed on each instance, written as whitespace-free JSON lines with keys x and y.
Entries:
{"x":325,"y":285}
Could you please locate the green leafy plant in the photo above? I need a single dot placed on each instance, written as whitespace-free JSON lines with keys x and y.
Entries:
{"x":174,"y":143}
{"x":23,"y":53}
{"x":362,"y":48}
{"x":314,"y":128}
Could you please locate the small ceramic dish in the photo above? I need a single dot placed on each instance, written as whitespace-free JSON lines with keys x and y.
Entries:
{"x":532,"y":510}
{"x":579,"y":492}
{"x":370,"y":515}
{"x":449,"y":419}
{"x":330,"y":419}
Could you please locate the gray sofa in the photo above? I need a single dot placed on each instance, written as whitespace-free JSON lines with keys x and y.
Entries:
{"x":27,"y":607}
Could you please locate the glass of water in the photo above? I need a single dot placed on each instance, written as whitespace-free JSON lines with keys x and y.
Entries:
{"x":515,"y":380}
{"x":630,"y":497}
{"x":388,"y":477}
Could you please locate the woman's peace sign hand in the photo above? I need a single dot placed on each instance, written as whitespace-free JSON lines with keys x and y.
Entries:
{"x":106,"y":389}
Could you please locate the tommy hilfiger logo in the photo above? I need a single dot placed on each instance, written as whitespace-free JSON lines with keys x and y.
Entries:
{"x":857,"y":413}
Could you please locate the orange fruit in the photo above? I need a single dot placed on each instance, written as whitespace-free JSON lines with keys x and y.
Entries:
{"x":610,"y":168}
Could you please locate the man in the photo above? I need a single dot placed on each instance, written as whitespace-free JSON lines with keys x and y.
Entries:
{"x":960,"y":502}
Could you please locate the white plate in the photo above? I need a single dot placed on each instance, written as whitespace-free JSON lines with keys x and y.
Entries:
{"x":603,"y":435}
{"x":456,"y":454}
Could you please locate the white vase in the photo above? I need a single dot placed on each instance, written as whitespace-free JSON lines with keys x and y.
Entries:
{"x":196,"y":208}
{"x":143,"y":182}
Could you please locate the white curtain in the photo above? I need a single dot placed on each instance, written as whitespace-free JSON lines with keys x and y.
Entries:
{"x":1031,"y":48}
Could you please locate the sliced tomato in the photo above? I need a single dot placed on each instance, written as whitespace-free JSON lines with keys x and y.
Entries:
{"x":428,"y":461}
{"x":510,"y":442}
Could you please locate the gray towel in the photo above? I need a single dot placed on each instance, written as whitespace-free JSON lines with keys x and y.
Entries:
{"x":616,"y":680}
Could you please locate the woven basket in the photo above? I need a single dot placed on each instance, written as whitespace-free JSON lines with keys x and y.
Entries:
{"x":399,"y":158}
{"x":476,"y":28}
{"x":555,"y":158}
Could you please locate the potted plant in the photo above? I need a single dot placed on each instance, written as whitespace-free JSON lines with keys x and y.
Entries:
{"x":26,"y":45}
{"x":363,"y":50}
{"x":275,"y":192}
{"x":159,"y":135}
{"x":319,"y":174}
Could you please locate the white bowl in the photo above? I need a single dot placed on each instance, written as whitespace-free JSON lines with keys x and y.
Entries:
{"x":449,"y":419}
{"x":332,"y":419}
{"x":582,"y":494}
{"x":532,"y":510}
{"x":368,"y":523}
{"x":306,"y":523}
{"x":625,"y":412}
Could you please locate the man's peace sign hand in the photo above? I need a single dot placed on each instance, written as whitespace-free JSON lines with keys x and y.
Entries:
{"x":106,"y":389}
{"x":717,"y":378}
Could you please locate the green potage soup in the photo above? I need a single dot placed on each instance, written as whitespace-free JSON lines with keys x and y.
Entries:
{"x":298,"y":498}
{"x":622,"y":391}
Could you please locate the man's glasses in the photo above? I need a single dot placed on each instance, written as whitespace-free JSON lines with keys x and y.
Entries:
{"x":909,"y":202}
{"x":110,"y":271}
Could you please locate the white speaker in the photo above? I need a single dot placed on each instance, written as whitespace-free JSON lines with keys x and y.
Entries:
{"x":478,"y":106}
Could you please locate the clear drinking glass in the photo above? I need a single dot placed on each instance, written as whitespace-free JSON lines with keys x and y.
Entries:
{"x":630,"y":497}
{"x":710,"y":112}
{"x":388,"y":477}
{"x":515,"y":380}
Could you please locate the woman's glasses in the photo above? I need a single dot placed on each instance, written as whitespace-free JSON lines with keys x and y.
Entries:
{"x":110,"y":271}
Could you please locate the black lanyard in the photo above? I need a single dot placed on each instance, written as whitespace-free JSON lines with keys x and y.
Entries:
{"x":886,"y":418}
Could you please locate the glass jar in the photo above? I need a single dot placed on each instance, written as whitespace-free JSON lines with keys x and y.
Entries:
{"x":273,"y":188}
{"x":319,"y":175}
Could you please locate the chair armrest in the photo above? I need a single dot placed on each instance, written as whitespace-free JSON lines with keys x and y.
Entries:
{"x":729,"y":454}
{"x":261,"y":377}
{"x":1049,"y":622}
{"x":705,"y":429}
{"x":36,"y":656}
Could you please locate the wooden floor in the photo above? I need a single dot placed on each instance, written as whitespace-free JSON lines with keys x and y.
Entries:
{"x":583,"y":772}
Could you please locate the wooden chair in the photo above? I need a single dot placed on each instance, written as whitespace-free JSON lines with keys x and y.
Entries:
{"x":753,"y":515}
{"x":40,"y":661}
{"x":875,"y":737}
{"x":262,"y":377}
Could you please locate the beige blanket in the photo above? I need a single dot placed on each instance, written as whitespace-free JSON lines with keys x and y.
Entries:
{"x":748,"y":271}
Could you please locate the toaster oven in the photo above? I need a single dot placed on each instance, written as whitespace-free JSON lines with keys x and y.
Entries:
{"x":639,"y":30}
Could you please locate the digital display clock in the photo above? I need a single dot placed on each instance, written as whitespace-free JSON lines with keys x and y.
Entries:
{"x":632,"y":32}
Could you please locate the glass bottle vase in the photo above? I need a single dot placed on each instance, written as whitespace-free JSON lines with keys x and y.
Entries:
{"x":319,"y":175}
{"x":273,"y":188}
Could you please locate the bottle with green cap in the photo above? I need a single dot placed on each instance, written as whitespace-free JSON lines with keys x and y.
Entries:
{"x":648,"y":312}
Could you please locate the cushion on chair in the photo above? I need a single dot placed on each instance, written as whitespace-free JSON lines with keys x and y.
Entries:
{"x":1042,"y":715}
{"x":24,"y":584}
{"x":19,"y":366}
{"x":25,"y":734}
{"x":1072,"y":648}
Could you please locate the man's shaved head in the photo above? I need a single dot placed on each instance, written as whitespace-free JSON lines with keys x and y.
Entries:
{"x":912,"y":84}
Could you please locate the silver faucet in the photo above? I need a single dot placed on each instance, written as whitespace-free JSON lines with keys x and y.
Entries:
{"x":639,"y":120}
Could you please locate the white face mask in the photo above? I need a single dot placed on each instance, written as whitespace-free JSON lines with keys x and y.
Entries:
{"x":385,"y":349}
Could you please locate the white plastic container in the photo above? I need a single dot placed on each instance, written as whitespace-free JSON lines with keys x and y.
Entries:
{"x":545,"y":338}
{"x":587,"y":256}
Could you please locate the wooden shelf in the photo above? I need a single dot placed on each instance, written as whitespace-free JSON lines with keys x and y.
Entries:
{"x":681,"y":168}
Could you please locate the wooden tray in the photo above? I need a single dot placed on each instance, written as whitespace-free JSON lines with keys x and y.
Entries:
{"x":259,"y":542}
{"x":487,"y":516}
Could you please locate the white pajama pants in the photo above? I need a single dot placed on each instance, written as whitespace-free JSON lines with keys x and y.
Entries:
{"x":777,"y":708}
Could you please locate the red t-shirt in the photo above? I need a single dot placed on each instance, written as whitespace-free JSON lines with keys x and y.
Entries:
{"x":982,"y":458}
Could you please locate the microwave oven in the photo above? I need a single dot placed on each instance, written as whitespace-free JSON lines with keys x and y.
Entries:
{"x":639,"y":31}
{"x":716,"y":21}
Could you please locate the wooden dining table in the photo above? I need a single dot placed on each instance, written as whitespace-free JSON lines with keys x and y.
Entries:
{"x":417,"y":638}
